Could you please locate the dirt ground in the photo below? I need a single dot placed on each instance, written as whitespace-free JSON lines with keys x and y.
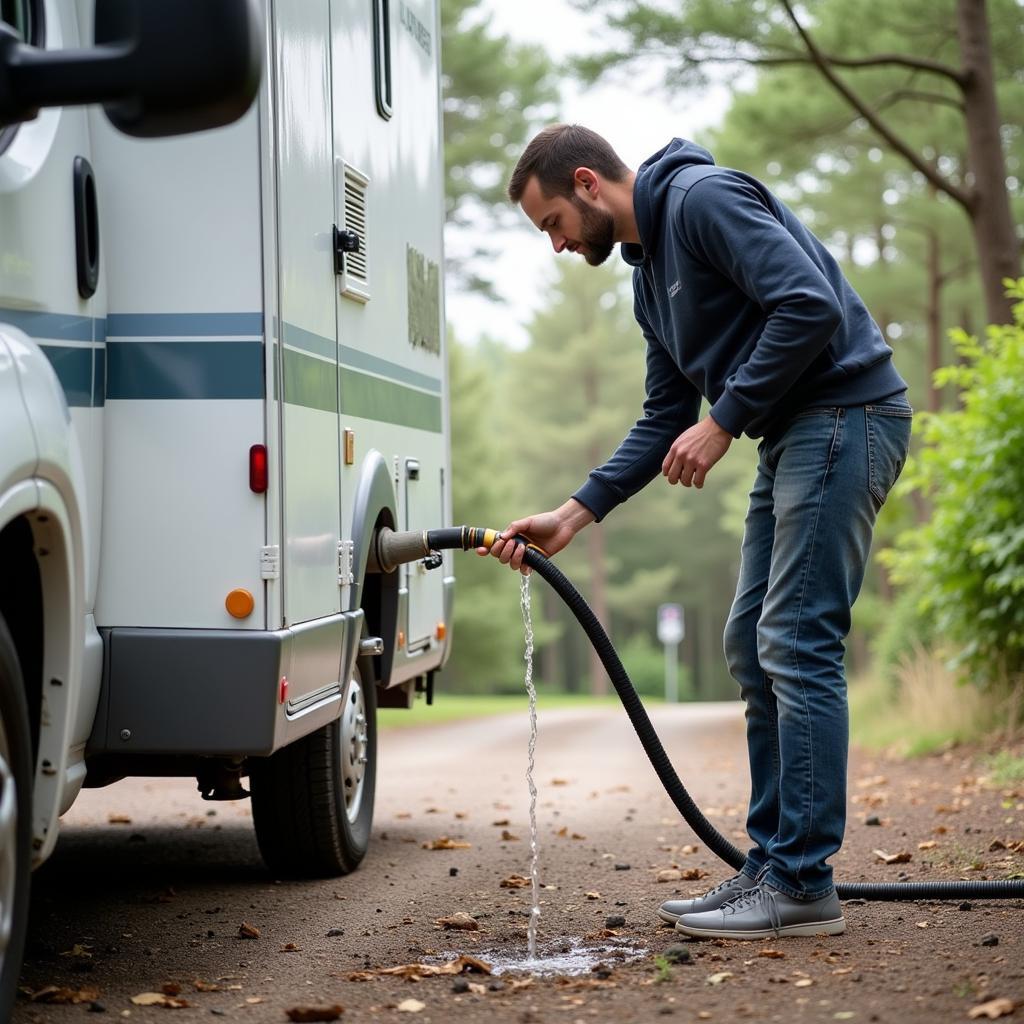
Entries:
{"x":152,"y":890}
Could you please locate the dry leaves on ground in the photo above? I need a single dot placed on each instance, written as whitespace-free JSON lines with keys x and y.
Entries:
{"x":159,"y":999}
{"x":566,"y":834}
{"x":993,"y":1009}
{"x":308,"y":1014}
{"x":903,"y":857}
{"x":248,"y":931}
{"x":514,"y":882}
{"x":444,"y":843}
{"x":460,"y":965}
{"x":74,"y":996}
{"x":460,"y":921}
{"x":508,"y":837}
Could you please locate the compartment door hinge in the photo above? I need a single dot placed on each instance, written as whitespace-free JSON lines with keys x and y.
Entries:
{"x":270,"y":562}
{"x":346,"y":554}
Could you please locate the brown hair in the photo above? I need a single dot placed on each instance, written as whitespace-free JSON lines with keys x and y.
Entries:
{"x":553,"y":156}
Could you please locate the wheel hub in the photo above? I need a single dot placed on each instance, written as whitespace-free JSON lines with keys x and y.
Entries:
{"x":354,"y":744}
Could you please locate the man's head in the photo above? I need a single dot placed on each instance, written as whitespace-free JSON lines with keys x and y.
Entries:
{"x":573,"y":185}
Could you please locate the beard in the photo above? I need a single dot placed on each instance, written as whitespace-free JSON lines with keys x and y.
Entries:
{"x":597,"y":231}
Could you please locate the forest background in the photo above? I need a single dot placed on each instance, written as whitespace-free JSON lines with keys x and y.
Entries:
{"x":894,"y":130}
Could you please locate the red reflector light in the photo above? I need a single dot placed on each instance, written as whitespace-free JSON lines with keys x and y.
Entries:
{"x":258,"y":468}
{"x":282,"y":690}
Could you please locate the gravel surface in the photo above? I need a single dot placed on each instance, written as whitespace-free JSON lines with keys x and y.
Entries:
{"x":153,"y":890}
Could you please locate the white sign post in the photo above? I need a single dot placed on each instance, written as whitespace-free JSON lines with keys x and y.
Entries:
{"x":671,"y":630}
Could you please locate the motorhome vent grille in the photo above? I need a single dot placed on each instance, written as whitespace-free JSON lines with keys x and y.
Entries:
{"x":356,"y":277}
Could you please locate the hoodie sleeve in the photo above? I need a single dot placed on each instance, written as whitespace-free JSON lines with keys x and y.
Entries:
{"x":671,"y":405}
{"x":726,"y":222}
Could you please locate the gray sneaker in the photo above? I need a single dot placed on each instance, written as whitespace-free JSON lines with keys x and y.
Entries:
{"x":671,"y":910}
{"x":763,"y":912}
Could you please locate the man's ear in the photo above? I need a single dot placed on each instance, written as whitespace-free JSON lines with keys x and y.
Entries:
{"x":588,"y":180}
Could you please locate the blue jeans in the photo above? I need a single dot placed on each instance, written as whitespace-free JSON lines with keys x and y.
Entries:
{"x":821,"y":479}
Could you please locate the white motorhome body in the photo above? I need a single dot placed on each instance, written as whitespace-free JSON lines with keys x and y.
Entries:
{"x":172,"y":312}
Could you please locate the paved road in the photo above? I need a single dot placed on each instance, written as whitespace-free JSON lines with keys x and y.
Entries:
{"x":149,"y":886}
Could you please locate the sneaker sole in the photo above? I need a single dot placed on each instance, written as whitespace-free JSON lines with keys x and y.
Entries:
{"x":667,"y":917}
{"x":834,"y":927}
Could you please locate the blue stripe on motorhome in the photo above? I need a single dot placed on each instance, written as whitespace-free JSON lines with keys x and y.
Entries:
{"x":73,"y":367}
{"x":184,"y":325}
{"x":299,"y":337}
{"x":184,"y":369}
{"x":56,"y":326}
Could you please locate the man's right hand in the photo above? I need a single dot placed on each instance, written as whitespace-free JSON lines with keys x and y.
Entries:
{"x":550,"y":531}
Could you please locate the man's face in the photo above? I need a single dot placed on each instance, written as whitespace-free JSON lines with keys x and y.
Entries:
{"x":572,"y":223}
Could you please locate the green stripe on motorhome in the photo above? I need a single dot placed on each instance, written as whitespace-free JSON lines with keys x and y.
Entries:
{"x":373,"y":364}
{"x":310,"y":382}
{"x":184,"y":369}
{"x":376,"y":399}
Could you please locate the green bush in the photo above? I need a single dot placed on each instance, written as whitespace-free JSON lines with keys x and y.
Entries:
{"x":967,"y":563}
{"x":644,"y":661}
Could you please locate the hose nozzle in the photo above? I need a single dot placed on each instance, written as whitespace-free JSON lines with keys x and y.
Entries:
{"x":394,"y":548}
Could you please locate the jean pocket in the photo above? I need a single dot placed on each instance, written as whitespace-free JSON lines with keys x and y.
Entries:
{"x":888,"y":442}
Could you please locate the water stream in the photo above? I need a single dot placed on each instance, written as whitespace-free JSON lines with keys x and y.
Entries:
{"x":531,"y":932}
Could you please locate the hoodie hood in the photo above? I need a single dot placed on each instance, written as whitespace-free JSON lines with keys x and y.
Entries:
{"x":650,"y":189}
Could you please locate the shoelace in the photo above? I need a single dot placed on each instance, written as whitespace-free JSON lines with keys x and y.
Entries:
{"x":758,"y":896}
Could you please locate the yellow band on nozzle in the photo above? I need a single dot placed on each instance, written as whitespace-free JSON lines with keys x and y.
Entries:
{"x":490,"y":536}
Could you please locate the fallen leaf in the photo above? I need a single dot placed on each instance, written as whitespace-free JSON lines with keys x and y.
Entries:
{"x":460,"y":965}
{"x":308,"y":1014}
{"x":559,"y":782}
{"x":508,"y":837}
{"x":717,"y":979}
{"x":411,"y":1006}
{"x":690,"y":874}
{"x":892,"y":858}
{"x":290,"y":947}
{"x":460,"y":921}
{"x":928,"y":844}
{"x":205,"y":986}
{"x":668,"y":875}
{"x":253,"y":1000}
{"x":993,"y":1009}
{"x":501,"y":821}
{"x":79,"y":952}
{"x":248,"y":931}
{"x":803,"y":983}
{"x":170,"y":988}
{"x":773,"y":954}
{"x":118,"y":819}
{"x":56,"y":995}
{"x":444,"y":843}
{"x":576,"y":835}
{"x":158,"y":999}
{"x":514,"y":882}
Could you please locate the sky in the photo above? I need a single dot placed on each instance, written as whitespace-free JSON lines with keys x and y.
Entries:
{"x":635,"y":118}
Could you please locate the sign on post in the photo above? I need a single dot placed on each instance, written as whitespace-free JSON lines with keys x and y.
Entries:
{"x":671,"y":630}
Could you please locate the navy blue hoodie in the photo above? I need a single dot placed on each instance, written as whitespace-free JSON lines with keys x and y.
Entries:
{"x":739,"y":303}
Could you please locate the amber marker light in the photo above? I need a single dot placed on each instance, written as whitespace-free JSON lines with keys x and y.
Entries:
{"x":239,"y":603}
{"x":441,"y":631}
{"x":401,"y":639}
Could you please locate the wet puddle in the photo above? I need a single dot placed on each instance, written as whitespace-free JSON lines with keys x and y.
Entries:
{"x":563,"y":957}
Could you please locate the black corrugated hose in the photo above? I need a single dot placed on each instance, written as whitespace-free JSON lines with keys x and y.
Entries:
{"x":471,"y":537}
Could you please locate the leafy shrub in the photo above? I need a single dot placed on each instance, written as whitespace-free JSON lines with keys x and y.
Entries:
{"x":967,"y":563}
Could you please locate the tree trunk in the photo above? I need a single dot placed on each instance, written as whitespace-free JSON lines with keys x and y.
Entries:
{"x":991,"y":219}
{"x":933,"y":313}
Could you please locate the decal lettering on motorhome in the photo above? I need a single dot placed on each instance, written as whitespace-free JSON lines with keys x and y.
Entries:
{"x":415,"y":28}
{"x":424,"y":284}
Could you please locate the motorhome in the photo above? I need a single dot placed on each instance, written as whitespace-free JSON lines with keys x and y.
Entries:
{"x":222,"y":370}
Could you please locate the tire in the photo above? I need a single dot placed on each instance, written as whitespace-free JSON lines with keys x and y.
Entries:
{"x":312,"y":801}
{"x":15,"y":820}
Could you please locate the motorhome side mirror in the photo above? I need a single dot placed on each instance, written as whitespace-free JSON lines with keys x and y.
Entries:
{"x":159,"y":67}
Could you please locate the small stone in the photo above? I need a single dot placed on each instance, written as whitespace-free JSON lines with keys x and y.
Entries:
{"x":873,"y":820}
{"x":989,"y":940}
{"x":614,"y":921}
{"x":666,"y":1011}
{"x":452,"y":872}
{"x":677,"y":954}
{"x":622,"y":867}
{"x":460,"y":985}
{"x":966,"y":905}
{"x":97,"y":1007}
{"x":219,"y":1013}
{"x":497,"y":986}
{"x":333,"y":932}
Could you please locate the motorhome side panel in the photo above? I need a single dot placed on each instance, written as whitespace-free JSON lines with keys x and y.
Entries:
{"x":185,"y":377}
{"x":388,"y":188}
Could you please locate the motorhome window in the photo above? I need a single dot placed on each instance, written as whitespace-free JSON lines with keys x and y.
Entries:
{"x":26,"y":18}
{"x":382,"y":56}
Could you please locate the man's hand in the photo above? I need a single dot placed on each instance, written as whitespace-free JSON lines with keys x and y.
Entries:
{"x":551,"y":531}
{"x":694,"y":452}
